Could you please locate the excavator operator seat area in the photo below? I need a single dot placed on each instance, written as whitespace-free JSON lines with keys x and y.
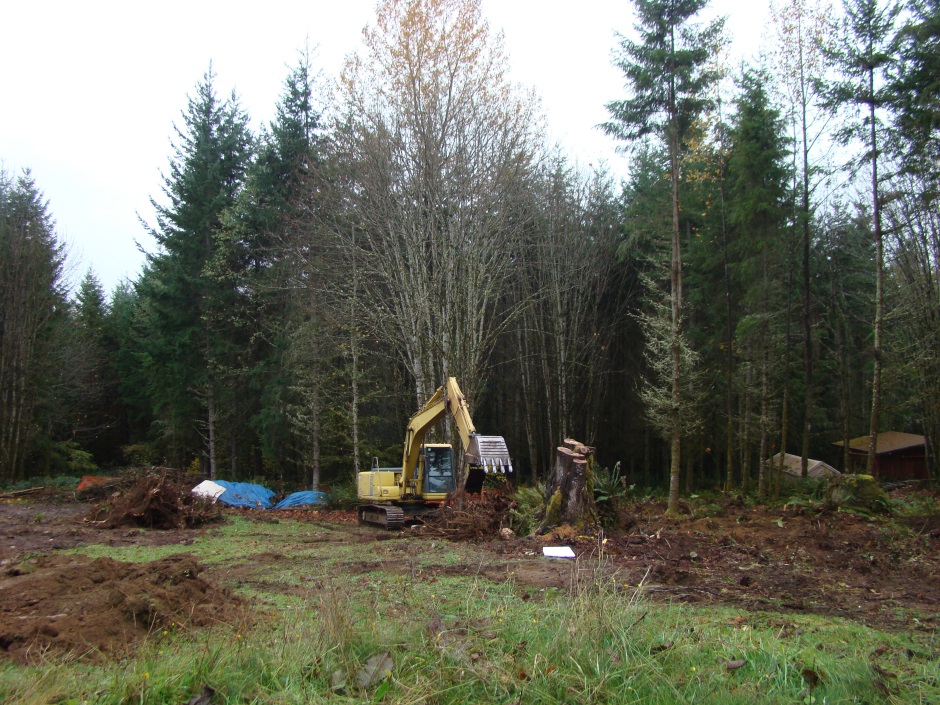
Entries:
{"x":438,"y":469}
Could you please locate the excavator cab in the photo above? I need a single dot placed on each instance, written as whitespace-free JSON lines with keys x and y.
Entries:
{"x":438,"y":469}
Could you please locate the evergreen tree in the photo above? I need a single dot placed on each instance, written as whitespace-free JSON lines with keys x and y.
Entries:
{"x":862,"y":57}
{"x":668,"y":76}
{"x":271,"y":254}
{"x":94,"y":351}
{"x":190,"y":339}
{"x":32,"y":312}
{"x":127,"y":332}
{"x":916,"y":89}
{"x":757,"y":191}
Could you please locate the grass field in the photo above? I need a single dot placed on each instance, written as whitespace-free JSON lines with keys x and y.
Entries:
{"x":389,"y":620}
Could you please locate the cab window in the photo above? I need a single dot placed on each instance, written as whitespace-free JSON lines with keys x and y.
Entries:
{"x":439,"y":470}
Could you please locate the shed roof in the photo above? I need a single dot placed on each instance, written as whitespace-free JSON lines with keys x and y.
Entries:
{"x":793,"y":465}
{"x":888,"y":442}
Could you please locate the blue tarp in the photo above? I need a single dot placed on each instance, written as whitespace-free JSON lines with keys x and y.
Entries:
{"x":300,"y":498}
{"x":245,"y":495}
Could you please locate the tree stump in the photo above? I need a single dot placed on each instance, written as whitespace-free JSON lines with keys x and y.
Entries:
{"x":569,"y":494}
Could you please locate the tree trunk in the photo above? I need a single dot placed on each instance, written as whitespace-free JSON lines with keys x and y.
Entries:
{"x":746,"y":430}
{"x":675,"y":285}
{"x":354,"y":359}
{"x":210,"y":409}
{"x":765,"y":379}
{"x":807,"y":321}
{"x":871,"y":467}
{"x":764,"y":420}
{"x":729,"y":333}
{"x":569,"y":495}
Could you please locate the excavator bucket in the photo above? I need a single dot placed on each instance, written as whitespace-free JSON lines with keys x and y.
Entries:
{"x":485,"y":454}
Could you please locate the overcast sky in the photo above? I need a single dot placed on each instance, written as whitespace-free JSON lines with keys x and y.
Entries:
{"x":90,"y":91}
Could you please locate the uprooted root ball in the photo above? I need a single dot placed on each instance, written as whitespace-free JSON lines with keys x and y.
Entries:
{"x":470,"y":518}
{"x":154,"y":502}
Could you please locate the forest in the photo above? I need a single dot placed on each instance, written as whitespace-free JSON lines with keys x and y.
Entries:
{"x":762,"y":280}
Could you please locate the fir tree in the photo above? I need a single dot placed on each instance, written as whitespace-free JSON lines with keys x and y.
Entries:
{"x":32,"y":307}
{"x":668,"y":76}
{"x":185,"y":306}
{"x":862,"y":57}
{"x":757,"y":189}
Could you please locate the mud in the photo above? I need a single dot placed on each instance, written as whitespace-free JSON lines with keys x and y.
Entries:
{"x":27,"y":527}
{"x":878,"y":571}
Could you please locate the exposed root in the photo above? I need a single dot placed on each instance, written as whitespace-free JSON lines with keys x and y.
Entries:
{"x":154,"y":502}
{"x":469,"y":518}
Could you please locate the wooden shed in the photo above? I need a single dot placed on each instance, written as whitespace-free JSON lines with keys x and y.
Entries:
{"x":898,"y":456}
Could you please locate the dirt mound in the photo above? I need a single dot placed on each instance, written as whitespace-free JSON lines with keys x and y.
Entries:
{"x":100,"y":607}
{"x":155,"y":502}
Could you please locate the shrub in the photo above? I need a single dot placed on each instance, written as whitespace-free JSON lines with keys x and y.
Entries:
{"x":72,"y":458}
{"x":139,"y":454}
{"x":524,"y":517}
{"x":343,"y":495}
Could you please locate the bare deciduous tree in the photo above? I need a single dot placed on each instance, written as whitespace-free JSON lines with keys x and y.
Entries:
{"x":435,"y":141}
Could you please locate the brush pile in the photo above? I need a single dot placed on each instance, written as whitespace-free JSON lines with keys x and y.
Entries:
{"x":155,"y":501}
{"x":472,"y":518}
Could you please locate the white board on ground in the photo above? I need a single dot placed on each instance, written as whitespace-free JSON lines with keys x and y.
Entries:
{"x":557,"y":552}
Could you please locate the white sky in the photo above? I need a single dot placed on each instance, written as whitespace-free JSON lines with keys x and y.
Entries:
{"x":89,"y":91}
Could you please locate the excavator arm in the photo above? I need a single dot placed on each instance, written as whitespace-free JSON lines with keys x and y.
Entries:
{"x":482,"y":454}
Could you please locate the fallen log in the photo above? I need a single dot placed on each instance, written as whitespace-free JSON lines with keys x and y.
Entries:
{"x":21,"y":493}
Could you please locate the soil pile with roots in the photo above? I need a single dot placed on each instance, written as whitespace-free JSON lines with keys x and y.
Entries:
{"x":155,"y":501}
{"x":466,"y":518}
{"x":99,"y":607}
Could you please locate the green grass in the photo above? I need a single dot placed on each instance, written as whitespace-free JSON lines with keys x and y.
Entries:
{"x":455,"y":639}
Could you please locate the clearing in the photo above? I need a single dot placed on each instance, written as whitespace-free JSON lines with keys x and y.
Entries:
{"x":853,"y":594}
{"x":881,"y":572}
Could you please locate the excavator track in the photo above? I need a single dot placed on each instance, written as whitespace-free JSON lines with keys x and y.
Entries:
{"x":388,"y":516}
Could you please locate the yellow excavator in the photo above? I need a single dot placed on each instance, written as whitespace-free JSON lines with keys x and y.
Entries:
{"x":426,"y":476}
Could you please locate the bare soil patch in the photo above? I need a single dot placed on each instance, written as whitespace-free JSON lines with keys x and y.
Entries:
{"x":879,"y":571}
{"x":96,"y":607}
{"x":28,"y":527}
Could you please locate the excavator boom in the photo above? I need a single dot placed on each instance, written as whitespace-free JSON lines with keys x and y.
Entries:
{"x":427,"y":470}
